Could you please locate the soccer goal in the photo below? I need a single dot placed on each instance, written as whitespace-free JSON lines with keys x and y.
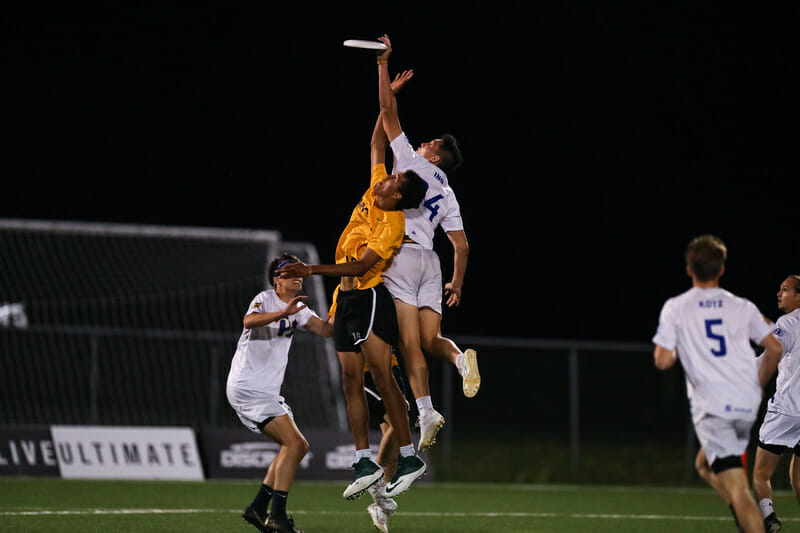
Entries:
{"x":137,"y":324}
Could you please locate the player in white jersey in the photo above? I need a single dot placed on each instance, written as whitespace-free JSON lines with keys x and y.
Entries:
{"x":710,"y":330}
{"x":254,"y":387}
{"x":781,"y":427}
{"x":414,"y":278}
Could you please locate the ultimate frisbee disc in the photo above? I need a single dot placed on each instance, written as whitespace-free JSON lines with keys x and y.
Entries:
{"x":369,"y":45}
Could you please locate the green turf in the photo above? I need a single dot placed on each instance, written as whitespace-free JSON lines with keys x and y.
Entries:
{"x":33,"y":505}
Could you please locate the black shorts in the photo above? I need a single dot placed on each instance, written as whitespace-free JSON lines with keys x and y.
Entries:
{"x":377,"y":409}
{"x":363,"y":311}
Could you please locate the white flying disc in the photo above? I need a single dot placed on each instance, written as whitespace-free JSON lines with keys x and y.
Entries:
{"x":369,"y":45}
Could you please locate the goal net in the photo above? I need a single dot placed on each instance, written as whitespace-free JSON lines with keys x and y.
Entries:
{"x":136,"y":324}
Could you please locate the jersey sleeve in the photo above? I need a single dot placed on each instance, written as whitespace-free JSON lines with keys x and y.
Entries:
{"x":378,"y":174}
{"x":757,"y":327}
{"x":257,"y":305}
{"x":784,"y":331}
{"x":451,"y":221}
{"x":667,"y":334}
{"x":303,"y":316}
{"x":332,"y":308}
{"x":388,"y":234}
{"x":404,"y":154}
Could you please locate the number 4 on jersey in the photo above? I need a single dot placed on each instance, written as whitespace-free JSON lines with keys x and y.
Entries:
{"x":431,"y":205}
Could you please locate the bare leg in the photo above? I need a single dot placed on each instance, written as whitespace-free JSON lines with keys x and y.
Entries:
{"x":708,"y":475}
{"x":430,"y":324}
{"x":378,"y":355}
{"x":764,"y":467}
{"x":794,"y":476}
{"x":410,"y":350}
{"x":734,"y":481}
{"x":353,"y":386}
{"x":294,"y":447}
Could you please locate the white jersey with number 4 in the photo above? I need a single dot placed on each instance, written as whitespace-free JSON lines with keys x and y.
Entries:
{"x":711,"y":330}
{"x":440,"y":207}
{"x":259,"y":363}
{"x":787,"y":387}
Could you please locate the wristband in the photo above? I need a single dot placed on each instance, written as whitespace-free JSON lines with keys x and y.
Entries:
{"x":383,"y":62}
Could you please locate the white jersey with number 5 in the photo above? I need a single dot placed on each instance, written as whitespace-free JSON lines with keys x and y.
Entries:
{"x":711,"y":330}
{"x":787,"y":386}
{"x":440,"y":207}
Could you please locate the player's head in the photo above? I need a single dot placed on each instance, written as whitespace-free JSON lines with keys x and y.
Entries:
{"x":279,"y":262}
{"x":789,"y":294}
{"x":443,"y":152}
{"x":705,"y":258}
{"x":402,"y":190}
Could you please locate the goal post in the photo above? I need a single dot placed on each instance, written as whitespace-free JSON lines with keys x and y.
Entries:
{"x":137,"y":324}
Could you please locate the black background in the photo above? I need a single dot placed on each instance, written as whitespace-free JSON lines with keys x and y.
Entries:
{"x":598,"y":139}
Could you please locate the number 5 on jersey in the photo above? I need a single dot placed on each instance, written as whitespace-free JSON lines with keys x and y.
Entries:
{"x":721,"y":349}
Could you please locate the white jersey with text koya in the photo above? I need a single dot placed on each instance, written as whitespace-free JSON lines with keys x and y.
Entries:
{"x":711,"y":330}
{"x":262,"y":353}
{"x":440,"y":207}
{"x":787,"y":387}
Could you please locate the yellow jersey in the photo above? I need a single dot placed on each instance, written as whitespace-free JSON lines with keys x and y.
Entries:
{"x":373,"y":228}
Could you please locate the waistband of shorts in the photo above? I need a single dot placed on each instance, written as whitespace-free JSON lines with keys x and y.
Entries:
{"x":408,"y":241}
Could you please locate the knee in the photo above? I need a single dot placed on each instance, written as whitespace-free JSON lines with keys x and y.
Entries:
{"x":352,"y":382}
{"x":298,"y":446}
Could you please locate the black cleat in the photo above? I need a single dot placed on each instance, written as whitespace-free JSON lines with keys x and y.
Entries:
{"x":251,"y":515}
{"x":282,"y":525}
{"x":772,"y":524}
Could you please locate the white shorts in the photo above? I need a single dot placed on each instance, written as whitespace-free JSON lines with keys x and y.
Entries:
{"x":254,"y":407}
{"x":779,"y":429}
{"x":721,"y":437}
{"x":415,"y":277}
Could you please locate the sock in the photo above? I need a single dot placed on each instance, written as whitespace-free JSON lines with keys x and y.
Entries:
{"x":766,"y":507}
{"x":279,"y":504}
{"x":460,"y":364}
{"x":424,"y":403}
{"x":374,"y":490}
{"x":406,"y":451}
{"x":262,"y":498}
{"x":363,"y":453}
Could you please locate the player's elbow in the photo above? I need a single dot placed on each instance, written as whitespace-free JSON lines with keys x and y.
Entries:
{"x":663,"y":358}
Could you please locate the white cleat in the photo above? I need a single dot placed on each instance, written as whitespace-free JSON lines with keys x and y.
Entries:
{"x":388,"y":505}
{"x":471,"y":377}
{"x":429,"y":425}
{"x":379,"y":517}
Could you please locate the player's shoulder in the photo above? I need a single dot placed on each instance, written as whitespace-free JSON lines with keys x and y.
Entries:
{"x":789,"y":320}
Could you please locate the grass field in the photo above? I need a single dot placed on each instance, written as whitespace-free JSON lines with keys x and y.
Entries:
{"x":34,"y":505}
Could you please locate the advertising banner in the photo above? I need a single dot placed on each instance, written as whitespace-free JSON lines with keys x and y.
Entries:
{"x":134,"y":452}
{"x":238,"y":453}
{"x":27,"y":451}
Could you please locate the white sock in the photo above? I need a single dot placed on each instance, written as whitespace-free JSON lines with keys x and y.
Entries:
{"x":374,"y":489}
{"x":424,"y":403}
{"x":766,"y":507}
{"x":460,"y":364}
{"x":407,"y":451}
{"x":363,"y":453}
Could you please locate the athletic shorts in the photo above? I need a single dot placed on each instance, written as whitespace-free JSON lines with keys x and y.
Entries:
{"x":722,"y":438}
{"x":256,"y":408}
{"x":778,"y":432}
{"x":415,"y":277}
{"x":360,"y":312}
{"x":377,"y":409}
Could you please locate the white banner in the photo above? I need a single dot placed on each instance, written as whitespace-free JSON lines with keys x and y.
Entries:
{"x":108,"y":452}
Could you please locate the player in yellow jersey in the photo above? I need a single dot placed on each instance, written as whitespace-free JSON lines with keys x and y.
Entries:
{"x":366,"y":320}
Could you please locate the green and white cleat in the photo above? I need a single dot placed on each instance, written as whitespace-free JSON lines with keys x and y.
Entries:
{"x":366,"y":473}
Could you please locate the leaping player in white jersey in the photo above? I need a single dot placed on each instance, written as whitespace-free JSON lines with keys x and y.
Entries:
{"x":781,"y":427}
{"x":710,"y":330}
{"x":414,"y":278}
{"x":254,"y":387}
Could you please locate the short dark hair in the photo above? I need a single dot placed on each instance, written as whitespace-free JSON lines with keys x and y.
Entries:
{"x":449,"y":153}
{"x":706,"y":256}
{"x":284,"y":259}
{"x":413,"y":191}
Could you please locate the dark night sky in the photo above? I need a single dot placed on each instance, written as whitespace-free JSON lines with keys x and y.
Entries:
{"x":597,"y":139}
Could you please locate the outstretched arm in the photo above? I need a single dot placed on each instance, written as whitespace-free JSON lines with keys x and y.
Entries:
{"x":257,"y":320}
{"x":460,"y":252}
{"x":355,"y":268}
{"x":386,"y":97}
{"x":379,"y":141}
